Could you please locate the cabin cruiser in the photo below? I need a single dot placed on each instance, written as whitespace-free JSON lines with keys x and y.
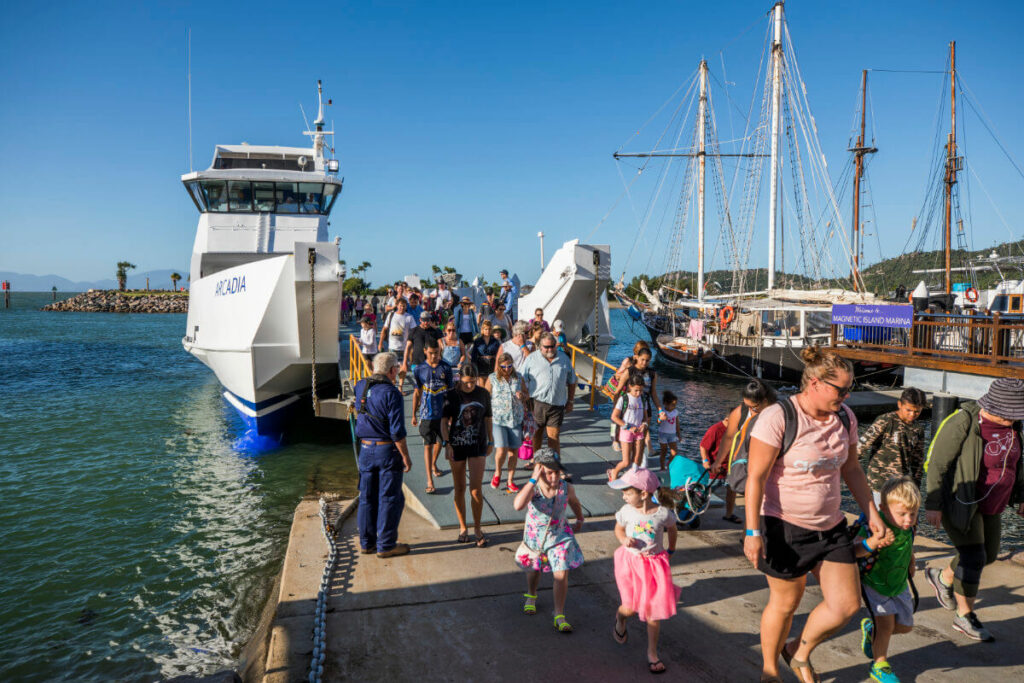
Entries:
{"x":264,"y":294}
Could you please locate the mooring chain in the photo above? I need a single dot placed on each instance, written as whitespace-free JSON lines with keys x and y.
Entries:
{"x":316,"y":664}
{"x":312,"y":323}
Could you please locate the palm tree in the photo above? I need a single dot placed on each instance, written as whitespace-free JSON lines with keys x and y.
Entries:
{"x":174,"y":281}
{"x":122,"y":273}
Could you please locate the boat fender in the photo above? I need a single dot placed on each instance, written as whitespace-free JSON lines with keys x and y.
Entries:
{"x":726,"y":316}
{"x":971,"y":294}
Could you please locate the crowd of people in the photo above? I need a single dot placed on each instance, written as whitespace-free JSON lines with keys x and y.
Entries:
{"x":486,"y":384}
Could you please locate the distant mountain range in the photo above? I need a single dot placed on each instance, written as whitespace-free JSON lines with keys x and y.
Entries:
{"x":158,"y":279}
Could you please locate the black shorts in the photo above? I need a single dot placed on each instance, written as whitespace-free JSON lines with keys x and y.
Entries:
{"x":430,"y":430}
{"x":466,"y":452}
{"x":548,"y":415}
{"x":792,"y":551}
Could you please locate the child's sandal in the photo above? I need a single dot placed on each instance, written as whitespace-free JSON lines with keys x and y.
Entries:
{"x":561,"y":625}
{"x":531,"y":604}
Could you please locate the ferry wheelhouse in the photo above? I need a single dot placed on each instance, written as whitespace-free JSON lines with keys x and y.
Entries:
{"x":262,"y":270}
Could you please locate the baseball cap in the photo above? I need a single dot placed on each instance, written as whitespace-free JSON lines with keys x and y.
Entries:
{"x":547,"y":457}
{"x":425,"y":315}
{"x":636,"y":478}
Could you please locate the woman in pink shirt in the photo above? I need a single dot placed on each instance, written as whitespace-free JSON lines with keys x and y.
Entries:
{"x":798,"y":493}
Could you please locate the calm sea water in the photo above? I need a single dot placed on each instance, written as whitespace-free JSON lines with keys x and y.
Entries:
{"x":141,"y":527}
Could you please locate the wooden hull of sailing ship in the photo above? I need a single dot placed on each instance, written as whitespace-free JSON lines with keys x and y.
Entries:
{"x":772,"y":362}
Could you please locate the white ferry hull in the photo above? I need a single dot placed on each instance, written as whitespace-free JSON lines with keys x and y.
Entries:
{"x":251,"y":325}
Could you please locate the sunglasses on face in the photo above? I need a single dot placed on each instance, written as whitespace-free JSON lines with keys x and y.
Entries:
{"x":505,"y":367}
{"x":840,"y":391}
{"x":547,"y":346}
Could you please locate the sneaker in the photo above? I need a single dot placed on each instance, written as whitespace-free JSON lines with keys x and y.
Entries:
{"x":943,"y":593}
{"x":399,"y":549}
{"x":881,"y":672}
{"x":496,"y":481}
{"x":512,"y":487}
{"x":695,"y":523}
{"x":867,"y":637}
{"x":971,"y":626}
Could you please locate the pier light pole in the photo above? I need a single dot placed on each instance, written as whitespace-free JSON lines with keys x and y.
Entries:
{"x":541,"y":236}
{"x":773,"y":193}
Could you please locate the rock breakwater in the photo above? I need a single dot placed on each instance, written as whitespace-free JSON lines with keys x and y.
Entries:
{"x":133,"y":301}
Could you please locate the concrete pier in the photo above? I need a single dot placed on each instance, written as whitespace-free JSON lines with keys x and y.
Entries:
{"x":453,"y":612}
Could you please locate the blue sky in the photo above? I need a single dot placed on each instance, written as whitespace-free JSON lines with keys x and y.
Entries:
{"x":462,"y":128}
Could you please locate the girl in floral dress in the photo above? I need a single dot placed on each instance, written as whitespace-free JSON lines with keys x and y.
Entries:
{"x":549,"y":544}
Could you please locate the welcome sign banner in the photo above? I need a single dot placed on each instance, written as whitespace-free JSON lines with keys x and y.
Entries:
{"x":894,"y":315}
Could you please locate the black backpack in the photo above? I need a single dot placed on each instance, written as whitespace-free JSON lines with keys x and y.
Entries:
{"x":737,"y":473}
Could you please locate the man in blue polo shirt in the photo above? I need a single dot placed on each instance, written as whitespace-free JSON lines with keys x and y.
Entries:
{"x":551,"y":382}
{"x":383,"y":457}
{"x":510,"y":295}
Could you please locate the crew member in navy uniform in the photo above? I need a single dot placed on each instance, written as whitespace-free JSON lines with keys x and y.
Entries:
{"x":383,"y":457}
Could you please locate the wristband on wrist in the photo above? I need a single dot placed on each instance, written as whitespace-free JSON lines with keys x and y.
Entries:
{"x":670,"y":551}
{"x":753,"y":532}
{"x":864,"y":542}
{"x":532,"y":481}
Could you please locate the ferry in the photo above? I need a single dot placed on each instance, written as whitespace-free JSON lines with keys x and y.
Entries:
{"x":265,"y":280}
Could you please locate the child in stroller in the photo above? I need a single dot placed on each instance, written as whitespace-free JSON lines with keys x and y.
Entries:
{"x":694,"y":485}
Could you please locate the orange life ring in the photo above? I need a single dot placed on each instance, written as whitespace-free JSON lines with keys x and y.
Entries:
{"x":726,"y":316}
{"x":971,"y":294}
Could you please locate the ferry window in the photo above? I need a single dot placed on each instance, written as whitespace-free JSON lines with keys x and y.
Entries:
{"x":330,"y":194}
{"x":310,"y":195}
{"x":215,"y":195}
{"x":264,"y":195}
{"x":287,"y":198}
{"x":240,"y":194}
{"x":1015,"y":302}
{"x":197,"y":195}
{"x":999,"y":304}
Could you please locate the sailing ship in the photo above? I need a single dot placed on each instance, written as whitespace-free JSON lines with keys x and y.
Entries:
{"x":735,"y":328}
{"x":264,"y":298}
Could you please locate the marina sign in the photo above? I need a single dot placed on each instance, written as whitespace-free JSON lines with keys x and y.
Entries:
{"x":888,"y":315}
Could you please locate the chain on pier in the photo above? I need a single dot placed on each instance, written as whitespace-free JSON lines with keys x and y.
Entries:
{"x":316,"y":664}
{"x":312,"y":325}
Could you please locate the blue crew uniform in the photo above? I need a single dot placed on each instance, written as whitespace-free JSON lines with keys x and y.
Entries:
{"x":381,"y":500}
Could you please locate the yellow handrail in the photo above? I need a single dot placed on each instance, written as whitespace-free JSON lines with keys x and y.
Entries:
{"x":594,"y":362}
{"x":358,"y":368}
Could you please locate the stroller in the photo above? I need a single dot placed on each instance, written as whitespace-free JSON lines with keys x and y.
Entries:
{"x":695,"y":486}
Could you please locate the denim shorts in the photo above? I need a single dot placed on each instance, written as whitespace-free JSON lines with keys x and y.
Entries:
{"x":508,"y":437}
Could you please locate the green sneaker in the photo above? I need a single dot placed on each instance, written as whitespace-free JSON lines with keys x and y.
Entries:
{"x":867,"y":637}
{"x":881,"y":672}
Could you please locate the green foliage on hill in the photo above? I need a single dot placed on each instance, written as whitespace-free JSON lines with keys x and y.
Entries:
{"x":881,"y":278}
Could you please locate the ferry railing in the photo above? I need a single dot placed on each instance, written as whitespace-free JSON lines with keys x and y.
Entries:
{"x":960,"y":339}
{"x":576,"y":353}
{"x":358,"y":368}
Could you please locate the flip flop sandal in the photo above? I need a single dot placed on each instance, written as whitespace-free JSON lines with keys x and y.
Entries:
{"x":531,"y":604}
{"x":795,"y":664}
{"x":430,"y":489}
{"x":651,"y":666}
{"x":463,"y":537}
{"x":438,"y":473}
{"x":561,"y":625}
{"x":620,"y":638}
{"x":481,"y":541}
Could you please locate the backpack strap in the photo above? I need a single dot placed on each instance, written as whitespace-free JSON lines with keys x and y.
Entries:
{"x":793,"y":423}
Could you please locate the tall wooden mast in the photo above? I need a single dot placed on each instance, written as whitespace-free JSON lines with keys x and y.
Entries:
{"x":859,"y":150}
{"x":773,"y":191}
{"x":952,"y":166}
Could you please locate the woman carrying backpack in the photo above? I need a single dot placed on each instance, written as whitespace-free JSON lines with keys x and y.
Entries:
{"x":731,"y":462}
{"x":801,"y":450}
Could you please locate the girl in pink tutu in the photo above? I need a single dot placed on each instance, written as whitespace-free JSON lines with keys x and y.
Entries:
{"x":641,"y":562}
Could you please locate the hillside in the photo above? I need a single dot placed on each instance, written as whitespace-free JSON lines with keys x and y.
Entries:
{"x":880,"y":278}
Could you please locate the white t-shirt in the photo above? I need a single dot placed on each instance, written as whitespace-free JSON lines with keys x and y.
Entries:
{"x":398,"y":331}
{"x":517,"y":353}
{"x":648,"y":528}
{"x":443,"y":295}
{"x":368,"y":340}
{"x":667,"y":425}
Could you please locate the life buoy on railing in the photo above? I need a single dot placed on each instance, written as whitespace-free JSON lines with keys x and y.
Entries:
{"x":971,"y":294}
{"x":726,"y":316}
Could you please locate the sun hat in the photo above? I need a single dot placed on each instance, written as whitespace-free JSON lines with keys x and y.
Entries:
{"x":636,"y":478}
{"x":465,"y":300}
{"x":547,"y":457}
{"x":1005,"y":398}
{"x":558,"y":326}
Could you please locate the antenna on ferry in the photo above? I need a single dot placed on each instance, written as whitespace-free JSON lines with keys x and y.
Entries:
{"x":318,"y":133}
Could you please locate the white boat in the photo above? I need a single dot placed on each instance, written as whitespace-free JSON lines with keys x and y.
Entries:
{"x":261,"y":267}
